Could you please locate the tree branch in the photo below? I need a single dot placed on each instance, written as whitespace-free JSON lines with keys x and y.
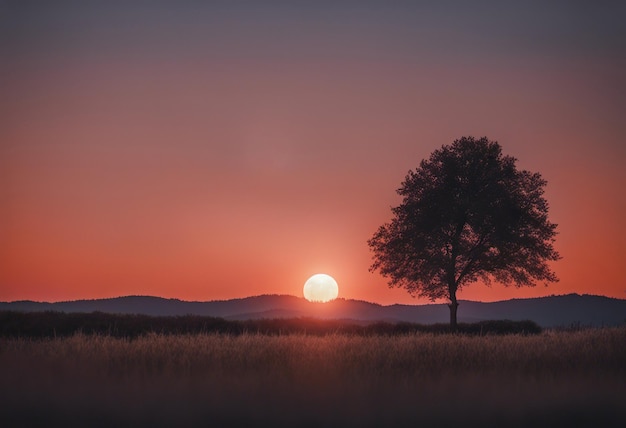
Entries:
{"x":474,"y":255}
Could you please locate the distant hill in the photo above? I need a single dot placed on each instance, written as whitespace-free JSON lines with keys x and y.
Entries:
{"x":553,"y":311}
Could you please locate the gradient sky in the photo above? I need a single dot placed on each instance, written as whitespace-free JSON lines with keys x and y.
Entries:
{"x":227,"y":149}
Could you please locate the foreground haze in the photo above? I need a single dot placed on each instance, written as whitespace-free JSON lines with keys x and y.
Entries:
{"x":214,"y":150}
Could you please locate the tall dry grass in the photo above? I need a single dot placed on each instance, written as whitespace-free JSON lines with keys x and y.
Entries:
{"x":552,"y":379}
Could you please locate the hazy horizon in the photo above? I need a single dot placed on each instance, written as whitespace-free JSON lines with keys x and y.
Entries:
{"x":417,"y":303}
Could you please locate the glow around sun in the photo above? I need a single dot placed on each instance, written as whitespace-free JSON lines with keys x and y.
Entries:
{"x":321,"y":288}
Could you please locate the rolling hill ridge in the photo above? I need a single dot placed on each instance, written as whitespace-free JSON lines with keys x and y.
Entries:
{"x":552,"y":311}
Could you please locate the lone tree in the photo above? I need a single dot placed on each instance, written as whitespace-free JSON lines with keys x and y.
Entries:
{"x":467,"y":214}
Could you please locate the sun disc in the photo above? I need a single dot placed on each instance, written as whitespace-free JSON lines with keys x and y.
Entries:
{"x":321,"y":288}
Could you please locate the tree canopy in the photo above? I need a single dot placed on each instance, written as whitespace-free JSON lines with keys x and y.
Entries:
{"x":467,"y":214}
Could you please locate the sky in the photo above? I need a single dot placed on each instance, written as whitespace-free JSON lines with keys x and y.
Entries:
{"x":217,"y":150}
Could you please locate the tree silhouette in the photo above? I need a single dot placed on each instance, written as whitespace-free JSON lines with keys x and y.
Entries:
{"x":467,"y":214}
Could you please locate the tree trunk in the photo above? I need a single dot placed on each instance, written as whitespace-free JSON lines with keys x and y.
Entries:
{"x":453,"y":307}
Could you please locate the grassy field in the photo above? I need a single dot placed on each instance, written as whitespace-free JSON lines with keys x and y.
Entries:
{"x":547,"y":380}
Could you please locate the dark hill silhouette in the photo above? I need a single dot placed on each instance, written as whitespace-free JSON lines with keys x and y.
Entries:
{"x":553,"y":311}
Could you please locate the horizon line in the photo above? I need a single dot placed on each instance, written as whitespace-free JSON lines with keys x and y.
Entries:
{"x":301,"y":298}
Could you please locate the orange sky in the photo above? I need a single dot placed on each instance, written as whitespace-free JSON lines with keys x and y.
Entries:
{"x":208,"y":152}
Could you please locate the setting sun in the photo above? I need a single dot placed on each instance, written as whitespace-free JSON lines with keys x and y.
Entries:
{"x":320,"y":288}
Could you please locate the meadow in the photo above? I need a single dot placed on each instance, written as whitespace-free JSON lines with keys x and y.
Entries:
{"x":567,"y":378}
